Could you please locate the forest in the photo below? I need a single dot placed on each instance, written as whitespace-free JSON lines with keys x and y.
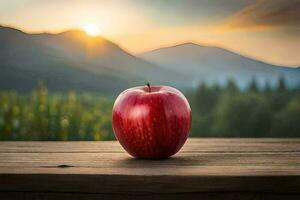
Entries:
{"x":218,"y":111}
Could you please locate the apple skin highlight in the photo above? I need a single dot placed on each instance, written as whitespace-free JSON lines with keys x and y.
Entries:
{"x":151,"y":122}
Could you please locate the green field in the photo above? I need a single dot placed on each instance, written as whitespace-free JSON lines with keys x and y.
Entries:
{"x":217,"y":112}
{"x":58,"y":116}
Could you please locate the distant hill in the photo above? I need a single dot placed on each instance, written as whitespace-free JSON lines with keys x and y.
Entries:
{"x":71,"y":60}
{"x":213,"y":64}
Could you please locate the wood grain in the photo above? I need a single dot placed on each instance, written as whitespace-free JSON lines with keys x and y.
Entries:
{"x":206,"y":168}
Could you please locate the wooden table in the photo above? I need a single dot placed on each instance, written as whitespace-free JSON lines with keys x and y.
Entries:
{"x":206,"y":168}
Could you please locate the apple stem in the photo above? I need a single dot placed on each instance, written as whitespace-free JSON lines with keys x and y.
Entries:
{"x":148,"y":84}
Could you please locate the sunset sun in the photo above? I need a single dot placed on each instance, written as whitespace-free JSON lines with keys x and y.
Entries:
{"x":92,"y":29}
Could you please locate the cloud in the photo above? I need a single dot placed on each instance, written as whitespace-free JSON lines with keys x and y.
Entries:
{"x":265,"y":15}
{"x":188,"y":12}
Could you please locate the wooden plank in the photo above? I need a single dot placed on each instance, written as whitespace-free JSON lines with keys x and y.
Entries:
{"x":134,"y":196}
{"x":193,"y":145}
{"x":121,"y":163}
{"x":203,"y":166}
{"x":107,"y":184}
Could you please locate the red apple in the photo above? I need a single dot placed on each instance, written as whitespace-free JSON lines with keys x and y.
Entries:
{"x":151,"y":121}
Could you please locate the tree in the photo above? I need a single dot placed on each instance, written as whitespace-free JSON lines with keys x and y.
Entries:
{"x":253,"y":85}
{"x":286,"y":123}
{"x":268,"y":88}
{"x":242,"y":115}
{"x":231,"y":87}
{"x":281,"y":85}
{"x":281,"y":96}
{"x":206,"y":98}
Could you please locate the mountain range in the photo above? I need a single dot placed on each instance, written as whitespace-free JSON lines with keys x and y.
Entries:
{"x":214,"y":64}
{"x":72,"y":60}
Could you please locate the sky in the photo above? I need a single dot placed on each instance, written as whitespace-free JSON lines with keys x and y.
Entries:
{"x":268,"y":30}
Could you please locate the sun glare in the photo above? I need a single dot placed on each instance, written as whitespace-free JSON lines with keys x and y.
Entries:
{"x":92,"y":29}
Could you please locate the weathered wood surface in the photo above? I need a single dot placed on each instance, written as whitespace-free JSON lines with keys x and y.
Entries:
{"x":204,"y":168}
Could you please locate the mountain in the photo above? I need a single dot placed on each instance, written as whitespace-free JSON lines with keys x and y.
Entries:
{"x":72,"y":60}
{"x":213,"y":64}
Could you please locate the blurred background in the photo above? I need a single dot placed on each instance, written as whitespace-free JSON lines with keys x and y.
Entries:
{"x":63,"y":63}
